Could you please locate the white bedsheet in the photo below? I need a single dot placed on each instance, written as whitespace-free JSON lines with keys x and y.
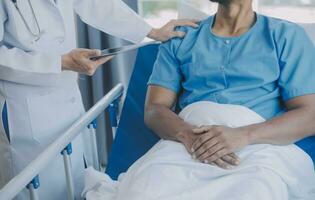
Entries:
{"x":168,"y":172}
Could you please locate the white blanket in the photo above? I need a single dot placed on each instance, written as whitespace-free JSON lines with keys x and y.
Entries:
{"x":168,"y":172}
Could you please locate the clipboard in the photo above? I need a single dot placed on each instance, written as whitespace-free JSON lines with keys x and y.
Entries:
{"x":122,"y":49}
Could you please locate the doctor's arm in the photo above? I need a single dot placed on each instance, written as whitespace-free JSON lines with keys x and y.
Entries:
{"x":116,"y":18}
{"x":78,"y":60}
{"x":14,"y":59}
{"x":168,"y":125}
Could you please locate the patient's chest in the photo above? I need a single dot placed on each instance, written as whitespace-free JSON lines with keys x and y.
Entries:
{"x":228,"y":70}
{"x":228,"y":63}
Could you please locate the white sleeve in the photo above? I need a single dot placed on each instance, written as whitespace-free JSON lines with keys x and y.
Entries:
{"x":33,"y":62}
{"x":12,"y":58}
{"x":3,"y":18}
{"x":113,"y":17}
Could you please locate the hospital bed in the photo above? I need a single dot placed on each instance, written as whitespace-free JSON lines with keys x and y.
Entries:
{"x":29,"y":178}
{"x":132,"y":139}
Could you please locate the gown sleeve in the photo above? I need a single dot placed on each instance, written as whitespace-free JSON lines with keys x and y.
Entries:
{"x":297,"y":62}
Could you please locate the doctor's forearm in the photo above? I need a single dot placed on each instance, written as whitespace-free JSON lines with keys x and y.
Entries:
{"x":286,"y":129}
{"x":114,"y":17}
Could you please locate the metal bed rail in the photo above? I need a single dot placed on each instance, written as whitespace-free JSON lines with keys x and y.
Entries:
{"x":29,"y":178}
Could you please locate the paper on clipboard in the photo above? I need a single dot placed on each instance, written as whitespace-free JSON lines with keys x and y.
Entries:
{"x":122,"y":49}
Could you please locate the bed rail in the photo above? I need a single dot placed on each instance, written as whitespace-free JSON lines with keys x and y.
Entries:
{"x":28,"y":176}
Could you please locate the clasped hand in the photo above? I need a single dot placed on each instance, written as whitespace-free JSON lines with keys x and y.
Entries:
{"x":216,"y":144}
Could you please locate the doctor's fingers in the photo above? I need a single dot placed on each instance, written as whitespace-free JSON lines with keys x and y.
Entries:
{"x":84,"y":65}
{"x":177,"y":23}
{"x":104,"y":60}
{"x":185,"y":22}
{"x":178,"y":34}
{"x":95,"y":53}
{"x":89,"y":53}
{"x":89,"y":67}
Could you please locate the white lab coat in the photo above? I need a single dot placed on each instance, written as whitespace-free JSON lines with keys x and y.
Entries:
{"x":42,"y":100}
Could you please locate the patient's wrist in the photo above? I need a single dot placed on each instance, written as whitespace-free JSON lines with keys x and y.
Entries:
{"x":183,"y":135}
{"x":153,"y":34}
{"x":249,"y":134}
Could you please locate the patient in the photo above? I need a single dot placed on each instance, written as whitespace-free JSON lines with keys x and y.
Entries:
{"x":244,"y":85}
{"x":235,"y":57}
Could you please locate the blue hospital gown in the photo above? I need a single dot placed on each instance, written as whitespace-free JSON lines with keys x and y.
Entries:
{"x":271,"y":63}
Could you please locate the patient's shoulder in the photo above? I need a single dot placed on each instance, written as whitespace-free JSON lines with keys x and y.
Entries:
{"x":202,"y":23}
{"x":286,"y":34}
{"x":283,"y":28}
{"x":191,"y":35}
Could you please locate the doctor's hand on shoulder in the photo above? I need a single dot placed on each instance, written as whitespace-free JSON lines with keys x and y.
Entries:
{"x":168,"y":31}
{"x":79,"y":60}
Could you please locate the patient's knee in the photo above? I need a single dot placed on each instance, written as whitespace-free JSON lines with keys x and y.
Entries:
{"x":266,"y":182}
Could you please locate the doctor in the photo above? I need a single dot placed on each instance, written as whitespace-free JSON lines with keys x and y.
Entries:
{"x":38,"y":77}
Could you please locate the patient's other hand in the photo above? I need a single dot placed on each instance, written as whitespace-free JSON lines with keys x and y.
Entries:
{"x":188,"y":139}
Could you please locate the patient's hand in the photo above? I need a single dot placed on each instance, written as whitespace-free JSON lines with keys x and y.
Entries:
{"x":160,"y":118}
{"x":215,"y":142}
{"x":189,"y":138}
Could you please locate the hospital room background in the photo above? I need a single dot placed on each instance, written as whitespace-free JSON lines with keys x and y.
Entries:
{"x":157,"y":13}
{"x":104,"y":87}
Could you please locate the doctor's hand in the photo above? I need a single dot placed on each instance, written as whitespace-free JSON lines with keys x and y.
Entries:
{"x":189,"y":137}
{"x":79,"y":60}
{"x":168,"y":31}
{"x":215,"y":142}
